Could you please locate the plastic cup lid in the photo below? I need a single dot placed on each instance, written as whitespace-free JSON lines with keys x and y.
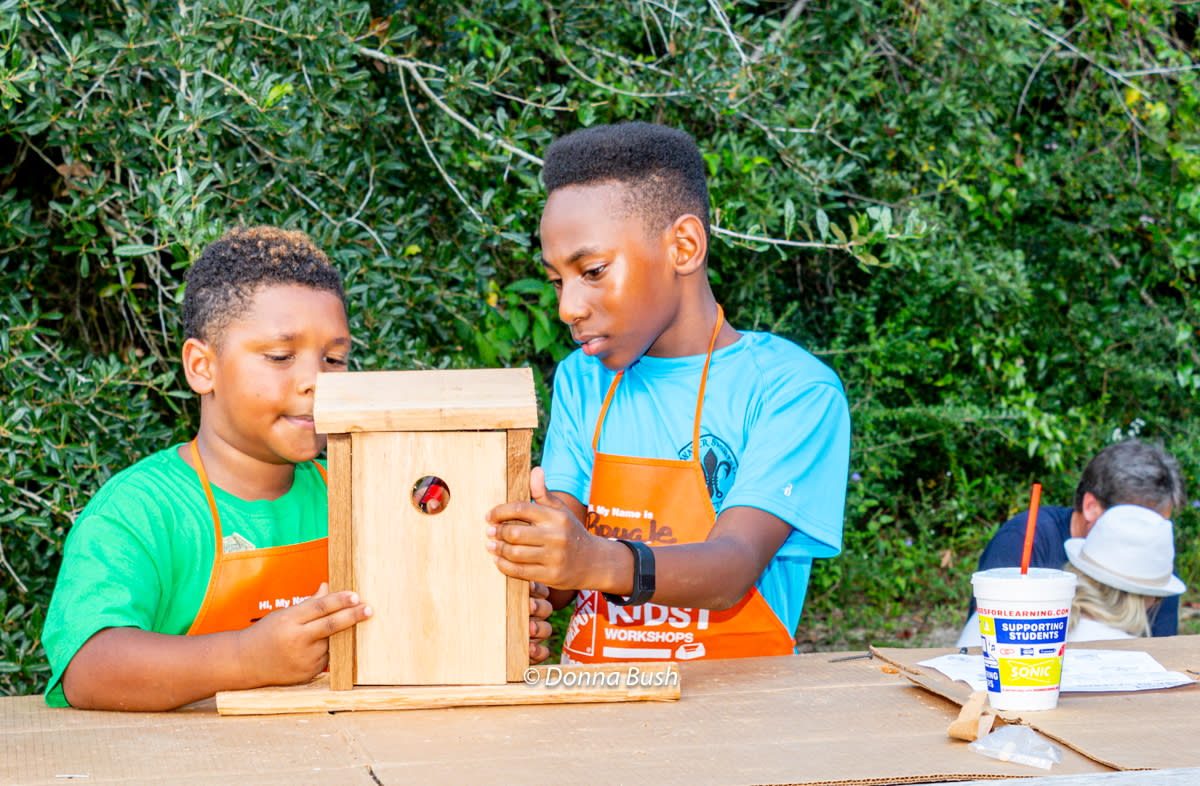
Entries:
{"x":1037,"y":584}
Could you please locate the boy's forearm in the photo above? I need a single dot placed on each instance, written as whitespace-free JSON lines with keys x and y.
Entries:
{"x":708,"y":575}
{"x":560,"y":598}
{"x":713,"y":574}
{"x":133,"y":669}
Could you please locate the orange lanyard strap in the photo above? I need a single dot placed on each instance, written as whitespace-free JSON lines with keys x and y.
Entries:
{"x":612,"y":388}
{"x":208,"y":494}
{"x":712,"y":342}
{"x":212,"y":503}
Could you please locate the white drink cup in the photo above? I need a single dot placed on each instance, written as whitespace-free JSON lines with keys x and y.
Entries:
{"x":1023,"y":622}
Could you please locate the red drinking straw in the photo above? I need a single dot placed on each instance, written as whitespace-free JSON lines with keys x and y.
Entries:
{"x":1030,"y":525}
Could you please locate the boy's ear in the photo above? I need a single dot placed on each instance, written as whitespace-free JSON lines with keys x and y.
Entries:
{"x":689,"y":245}
{"x":199,"y":359}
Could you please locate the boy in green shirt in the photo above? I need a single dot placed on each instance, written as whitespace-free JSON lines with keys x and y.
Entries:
{"x":194,"y":570}
{"x":263,"y":313}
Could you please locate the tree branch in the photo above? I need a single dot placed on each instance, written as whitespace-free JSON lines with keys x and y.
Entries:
{"x":720,"y":12}
{"x":411,"y":68}
{"x":792,"y":15}
{"x":1068,"y":45}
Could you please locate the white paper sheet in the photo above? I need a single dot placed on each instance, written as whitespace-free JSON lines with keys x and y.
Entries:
{"x":1082,"y":671}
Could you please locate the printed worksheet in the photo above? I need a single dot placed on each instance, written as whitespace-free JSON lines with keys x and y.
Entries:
{"x":1082,"y":671}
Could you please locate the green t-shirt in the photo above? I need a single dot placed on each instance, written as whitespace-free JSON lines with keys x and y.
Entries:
{"x":141,"y":553}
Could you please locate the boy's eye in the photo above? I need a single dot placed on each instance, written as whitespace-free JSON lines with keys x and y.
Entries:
{"x":594,"y":272}
{"x":279,"y":358}
{"x":336,"y":361}
{"x":556,"y":283}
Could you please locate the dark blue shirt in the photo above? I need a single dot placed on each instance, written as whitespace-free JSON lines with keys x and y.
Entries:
{"x":1052,"y":532}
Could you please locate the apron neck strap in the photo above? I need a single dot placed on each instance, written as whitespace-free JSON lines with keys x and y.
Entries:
{"x":612,"y":388}
{"x":208,"y":494}
{"x":712,"y":342}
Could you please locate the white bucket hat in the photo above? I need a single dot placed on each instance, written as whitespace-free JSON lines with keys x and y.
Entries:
{"x":1131,"y":548}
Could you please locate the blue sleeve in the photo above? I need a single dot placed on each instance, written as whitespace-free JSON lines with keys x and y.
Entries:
{"x":1004,"y":549}
{"x":1165,"y":621}
{"x":567,"y":452}
{"x":1006,"y":546}
{"x":795,"y":465}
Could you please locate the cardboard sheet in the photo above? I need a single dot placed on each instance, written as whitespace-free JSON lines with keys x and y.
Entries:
{"x":785,"y":720}
{"x":41,"y":745}
{"x":1128,"y":731}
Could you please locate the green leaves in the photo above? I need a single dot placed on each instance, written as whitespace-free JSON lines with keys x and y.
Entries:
{"x":134,"y":250}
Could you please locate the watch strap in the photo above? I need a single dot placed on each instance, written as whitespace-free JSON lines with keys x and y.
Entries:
{"x":643,"y":575}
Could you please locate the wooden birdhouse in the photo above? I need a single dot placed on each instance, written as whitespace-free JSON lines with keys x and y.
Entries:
{"x":416,"y":459}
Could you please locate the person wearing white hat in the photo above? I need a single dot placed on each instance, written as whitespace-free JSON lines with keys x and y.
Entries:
{"x":1130,"y":472}
{"x":1124,"y":564}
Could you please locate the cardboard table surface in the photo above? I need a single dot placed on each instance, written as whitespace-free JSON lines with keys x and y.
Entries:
{"x":1128,"y":731}
{"x":806,"y":719}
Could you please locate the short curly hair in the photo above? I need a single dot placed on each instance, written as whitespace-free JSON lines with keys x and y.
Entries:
{"x":222,"y":282}
{"x":661,"y":167}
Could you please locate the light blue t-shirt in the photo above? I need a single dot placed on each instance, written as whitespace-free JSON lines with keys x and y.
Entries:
{"x":774,"y":435}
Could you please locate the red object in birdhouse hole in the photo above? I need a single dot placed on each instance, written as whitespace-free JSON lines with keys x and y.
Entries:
{"x":433,"y":499}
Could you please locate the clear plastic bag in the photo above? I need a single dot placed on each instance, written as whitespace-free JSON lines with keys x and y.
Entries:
{"x":1018,"y":744}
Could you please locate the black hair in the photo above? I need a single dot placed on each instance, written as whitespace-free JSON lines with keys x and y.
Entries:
{"x":1133,"y":472}
{"x":661,"y":168}
{"x":222,"y":282}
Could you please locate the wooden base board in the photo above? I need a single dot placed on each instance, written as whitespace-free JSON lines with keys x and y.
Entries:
{"x":575,"y":684}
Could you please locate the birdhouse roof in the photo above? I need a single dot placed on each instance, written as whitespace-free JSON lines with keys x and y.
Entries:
{"x":445,"y":400}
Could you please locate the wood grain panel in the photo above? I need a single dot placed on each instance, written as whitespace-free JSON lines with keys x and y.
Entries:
{"x":519,"y":445}
{"x":440,"y":603}
{"x":341,"y":546}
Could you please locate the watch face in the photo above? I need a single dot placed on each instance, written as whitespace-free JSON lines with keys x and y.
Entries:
{"x":643,"y":572}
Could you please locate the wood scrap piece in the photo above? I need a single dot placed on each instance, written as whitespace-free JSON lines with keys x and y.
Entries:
{"x":574,"y":684}
{"x":974,"y":719}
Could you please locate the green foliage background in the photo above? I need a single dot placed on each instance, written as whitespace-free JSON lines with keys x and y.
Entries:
{"x":984,"y":215}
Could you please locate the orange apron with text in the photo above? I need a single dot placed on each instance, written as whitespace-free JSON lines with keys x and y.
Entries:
{"x":247,"y":585}
{"x":662,"y":502}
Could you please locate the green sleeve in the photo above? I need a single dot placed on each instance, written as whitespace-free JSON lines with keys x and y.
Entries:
{"x":110,"y":577}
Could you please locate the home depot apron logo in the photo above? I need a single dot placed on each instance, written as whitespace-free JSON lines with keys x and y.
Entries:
{"x":244,"y":586}
{"x":662,"y":501}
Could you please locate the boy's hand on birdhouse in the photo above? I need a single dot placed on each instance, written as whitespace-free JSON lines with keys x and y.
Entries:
{"x":292,"y":645}
{"x":544,"y":540}
{"x":539,"y":625}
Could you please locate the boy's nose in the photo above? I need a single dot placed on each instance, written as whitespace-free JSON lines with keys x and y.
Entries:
{"x":306,"y":384}
{"x":571,"y":305}
{"x":306,"y":376}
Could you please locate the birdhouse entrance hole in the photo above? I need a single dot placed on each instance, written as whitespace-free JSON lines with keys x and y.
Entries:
{"x":431,"y":495}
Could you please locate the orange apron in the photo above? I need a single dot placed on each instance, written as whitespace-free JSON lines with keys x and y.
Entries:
{"x":661,"y":502}
{"x":245,"y":586}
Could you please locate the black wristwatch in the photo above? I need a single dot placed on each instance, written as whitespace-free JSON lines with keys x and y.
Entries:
{"x":643,"y":575}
